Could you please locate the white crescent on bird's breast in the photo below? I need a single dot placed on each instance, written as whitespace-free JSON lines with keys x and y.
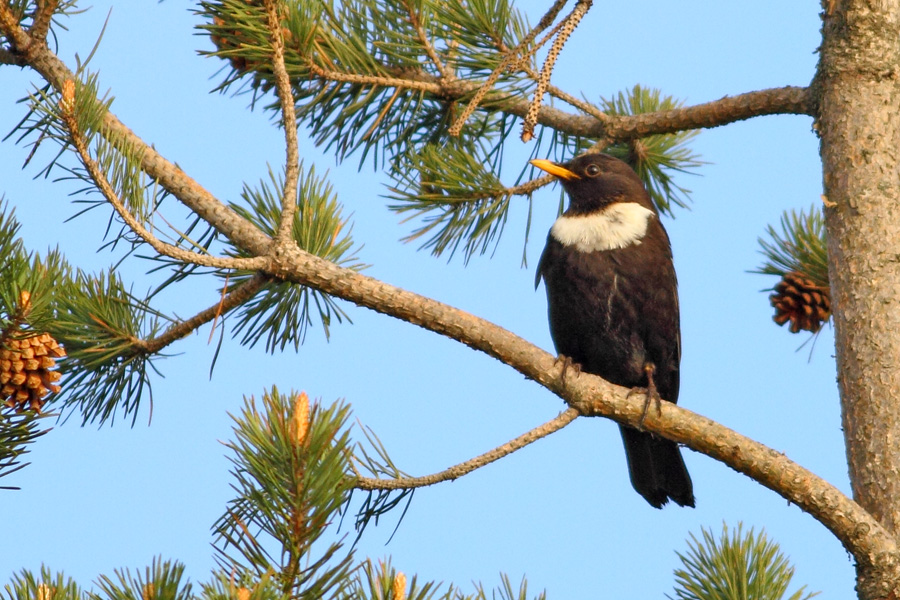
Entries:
{"x":616,"y":226}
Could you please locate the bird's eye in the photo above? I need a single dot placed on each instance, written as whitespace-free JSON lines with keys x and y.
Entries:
{"x":592,"y":170}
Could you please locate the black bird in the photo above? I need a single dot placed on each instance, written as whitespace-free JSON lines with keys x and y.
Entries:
{"x":613,"y":303}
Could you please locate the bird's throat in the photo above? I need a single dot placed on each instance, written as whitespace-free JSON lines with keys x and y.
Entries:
{"x":616,"y":226}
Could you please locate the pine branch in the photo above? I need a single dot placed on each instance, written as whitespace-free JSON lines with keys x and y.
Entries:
{"x":290,"y":460}
{"x":236,"y":297}
{"x":103,"y":327}
{"x":170,"y":176}
{"x":43,"y":586}
{"x":67,"y":105}
{"x":726,"y":110}
{"x":799,"y":247}
{"x":734,"y":567}
{"x":860,"y":533}
{"x":457,"y":471}
{"x":798,"y":255}
{"x":790,"y":100}
{"x":416,"y":22}
{"x":163,"y":579}
{"x":654,"y":157}
{"x":40,"y":25}
{"x":507,"y":60}
{"x":282,"y":312}
{"x":289,"y":122}
{"x":384,"y":582}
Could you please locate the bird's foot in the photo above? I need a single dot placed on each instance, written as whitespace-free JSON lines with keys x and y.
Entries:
{"x":651,"y":394}
{"x":567,"y":363}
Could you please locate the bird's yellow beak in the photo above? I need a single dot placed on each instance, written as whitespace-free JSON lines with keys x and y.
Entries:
{"x":554,"y":169}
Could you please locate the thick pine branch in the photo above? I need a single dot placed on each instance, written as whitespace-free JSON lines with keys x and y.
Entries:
{"x":792,"y":100}
{"x":862,"y":535}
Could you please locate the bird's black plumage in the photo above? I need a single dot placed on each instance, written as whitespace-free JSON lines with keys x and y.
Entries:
{"x":613,"y":302}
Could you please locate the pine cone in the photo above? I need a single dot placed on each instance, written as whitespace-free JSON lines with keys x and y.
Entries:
{"x":26,"y":371}
{"x":798,"y":300}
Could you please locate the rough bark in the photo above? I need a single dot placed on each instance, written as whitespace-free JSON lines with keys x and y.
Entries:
{"x":858,"y":94}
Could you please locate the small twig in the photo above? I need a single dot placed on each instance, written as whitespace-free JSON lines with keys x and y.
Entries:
{"x":430,"y":86}
{"x":511,"y":56}
{"x":570,"y":23}
{"x":236,"y":297}
{"x":40,"y":25}
{"x":456,"y":471}
{"x":446,"y":73}
{"x":289,"y":121}
{"x":529,"y":187}
{"x":67,"y":112}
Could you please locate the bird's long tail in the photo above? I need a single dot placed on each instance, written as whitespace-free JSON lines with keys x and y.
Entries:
{"x":656,"y":468}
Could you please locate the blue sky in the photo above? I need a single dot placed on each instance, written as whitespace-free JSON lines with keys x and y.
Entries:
{"x":561,"y":511}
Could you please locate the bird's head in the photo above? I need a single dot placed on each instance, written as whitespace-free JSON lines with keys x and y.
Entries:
{"x":594,"y":181}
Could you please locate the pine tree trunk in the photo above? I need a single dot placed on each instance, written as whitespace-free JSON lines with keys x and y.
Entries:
{"x":858,"y":97}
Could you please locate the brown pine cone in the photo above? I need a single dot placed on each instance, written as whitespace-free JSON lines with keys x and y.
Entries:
{"x":798,"y":300}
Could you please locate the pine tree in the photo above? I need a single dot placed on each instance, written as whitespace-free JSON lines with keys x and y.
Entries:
{"x":433,"y":93}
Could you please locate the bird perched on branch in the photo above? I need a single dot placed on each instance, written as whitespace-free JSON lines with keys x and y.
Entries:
{"x":613,"y":303}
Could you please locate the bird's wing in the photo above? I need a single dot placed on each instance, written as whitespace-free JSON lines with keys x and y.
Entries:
{"x":540,"y":268}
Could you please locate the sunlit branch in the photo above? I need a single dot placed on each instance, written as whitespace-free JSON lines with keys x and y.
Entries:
{"x":289,"y":121}
{"x":229,"y":301}
{"x":860,"y":533}
{"x":42,"y":17}
{"x":39,"y":57}
{"x":457,"y":471}
{"x":446,"y":73}
{"x":100,"y":180}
